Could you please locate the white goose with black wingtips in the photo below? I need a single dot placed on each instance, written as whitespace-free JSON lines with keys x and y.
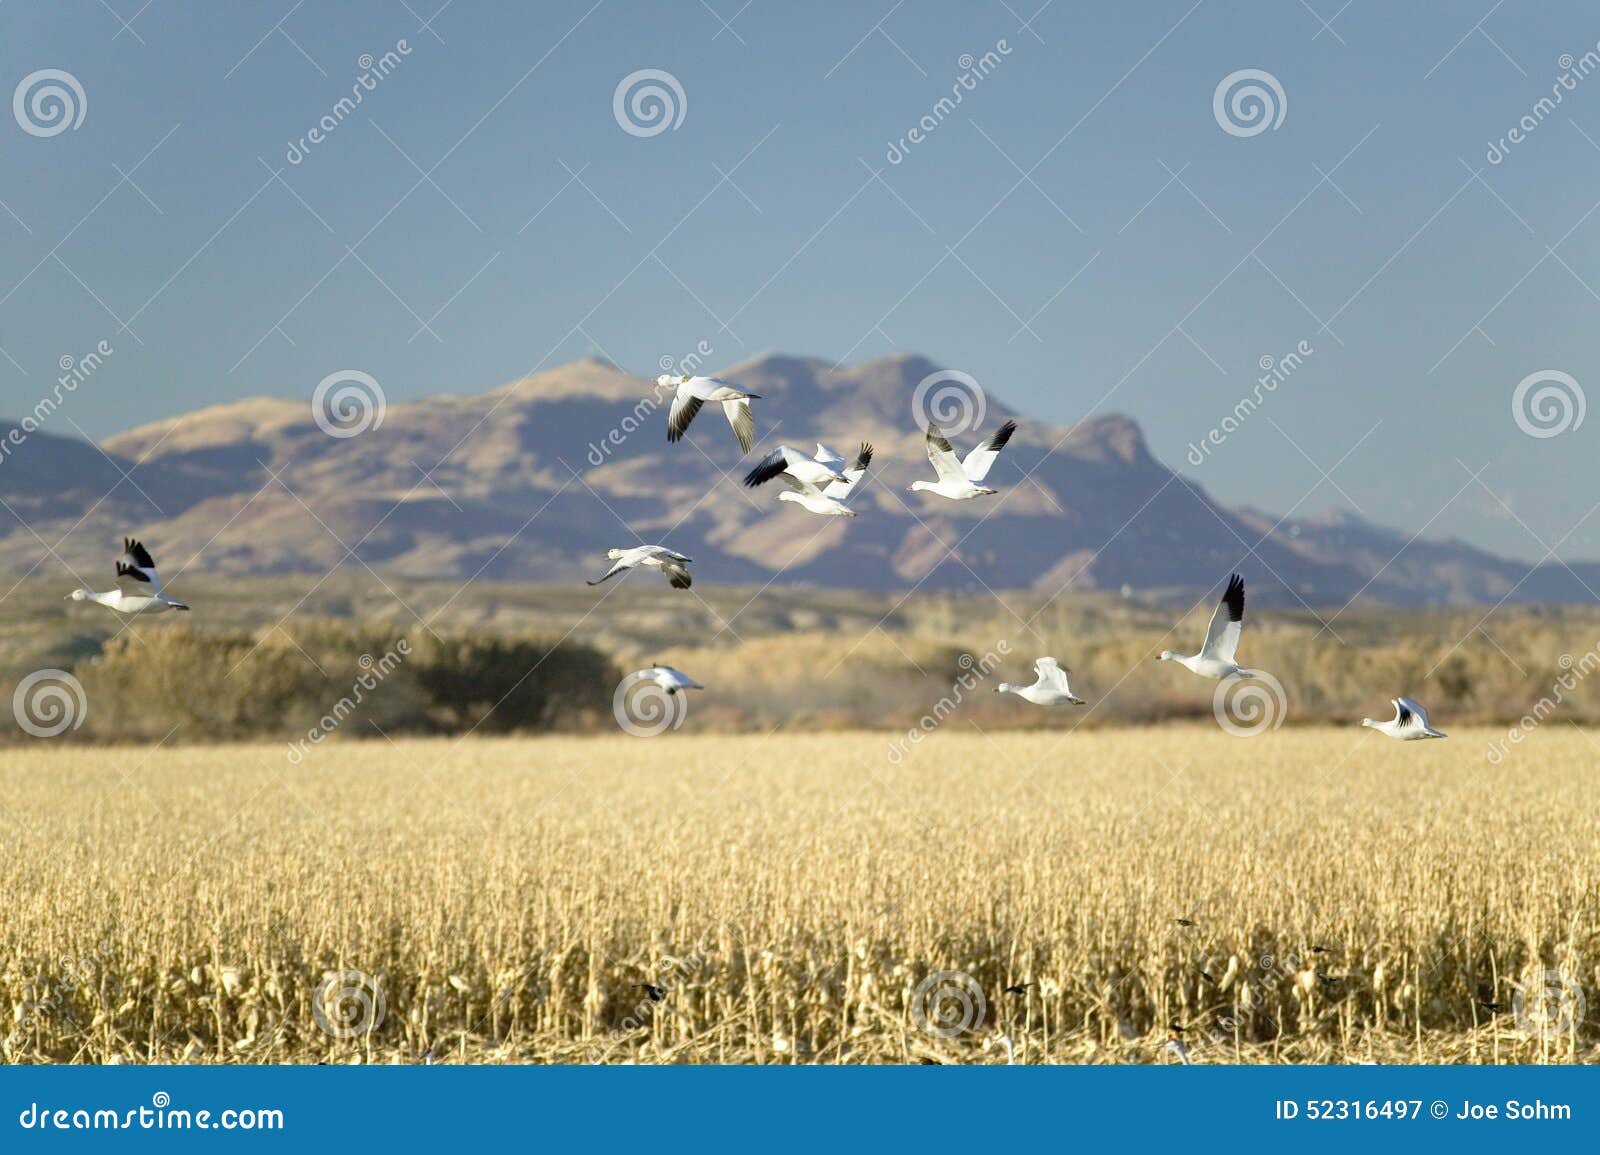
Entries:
{"x":1409,"y":723}
{"x":1216,"y":656}
{"x":138,"y":585}
{"x":690,"y":393}
{"x":958,"y":479}
{"x":670,"y":562}
{"x":815,"y":484}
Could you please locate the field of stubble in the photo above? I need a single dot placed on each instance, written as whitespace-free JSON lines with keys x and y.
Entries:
{"x":789,"y":897}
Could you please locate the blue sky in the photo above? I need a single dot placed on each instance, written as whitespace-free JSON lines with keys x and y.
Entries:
{"x":1080,"y":234}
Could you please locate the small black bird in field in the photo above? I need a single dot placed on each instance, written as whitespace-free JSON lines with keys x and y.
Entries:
{"x":1319,"y":950}
{"x":1020,"y":988}
{"x":1492,"y":1008}
{"x":1184,"y":921}
{"x":656,"y":993}
{"x":1208,"y":978}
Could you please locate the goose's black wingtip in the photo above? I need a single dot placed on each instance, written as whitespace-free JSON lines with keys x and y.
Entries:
{"x":1234,"y":598}
{"x":769,"y":467}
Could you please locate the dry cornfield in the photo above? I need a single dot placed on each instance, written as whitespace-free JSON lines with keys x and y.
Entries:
{"x":1318,"y":895}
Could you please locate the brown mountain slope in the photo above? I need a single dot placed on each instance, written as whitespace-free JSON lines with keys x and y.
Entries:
{"x":535,"y":479}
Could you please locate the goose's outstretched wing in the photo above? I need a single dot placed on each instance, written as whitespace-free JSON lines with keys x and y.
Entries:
{"x":612,"y":572}
{"x":684,"y":406}
{"x":774,"y":464}
{"x":943,"y":456}
{"x":677,"y":573}
{"x":977,"y":463}
{"x":1408,"y":712}
{"x":839,"y":490}
{"x":670,"y":679}
{"x":136,"y":569}
{"x":737,"y":411}
{"x":1222,"y":638}
{"x":1050,"y":674}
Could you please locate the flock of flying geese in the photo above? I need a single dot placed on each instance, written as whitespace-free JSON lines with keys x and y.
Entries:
{"x":820,"y":483}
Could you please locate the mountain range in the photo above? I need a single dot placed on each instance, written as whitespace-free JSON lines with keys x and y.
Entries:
{"x":534,"y":480}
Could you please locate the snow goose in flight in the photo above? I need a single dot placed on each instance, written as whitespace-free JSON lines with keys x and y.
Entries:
{"x":689,"y":393}
{"x":671,"y":563}
{"x":813,"y":484}
{"x":958,"y":480}
{"x":668,"y":679}
{"x":1049,"y":686}
{"x":1216,"y":656}
{"x":138,"y":585}
{"x":1409,"y":723}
